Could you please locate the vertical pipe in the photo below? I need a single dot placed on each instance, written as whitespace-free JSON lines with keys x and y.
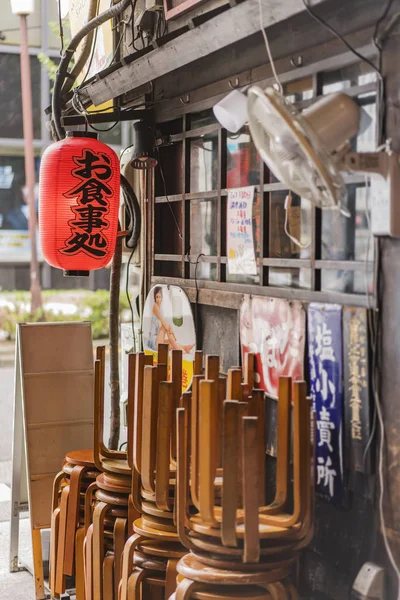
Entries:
{"x":44,"y":103}
{"x":36,"y":300}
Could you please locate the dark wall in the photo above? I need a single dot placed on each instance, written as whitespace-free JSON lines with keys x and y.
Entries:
{"x":218,"y":333}
{"x":390,"y":314}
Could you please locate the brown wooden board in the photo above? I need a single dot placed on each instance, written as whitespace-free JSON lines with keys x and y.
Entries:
{"x":176,"y":8}
{"x":53,"y":415}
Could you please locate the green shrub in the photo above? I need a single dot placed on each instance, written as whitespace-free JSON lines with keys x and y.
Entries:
{"x":92,"y":306}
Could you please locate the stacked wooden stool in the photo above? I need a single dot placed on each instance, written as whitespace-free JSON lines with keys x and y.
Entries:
{"x":152,"y":553}
{"x":68,"y":521}
{"x":182,"y":513}
{"x":242,"y":549}
{"x":108,"y":506}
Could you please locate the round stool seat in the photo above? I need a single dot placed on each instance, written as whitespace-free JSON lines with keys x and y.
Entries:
{"x":112,"y":465}
{"x":83,"y":458}
{"x":191,"y":568}
{"x":155,"y":534}
{"x":162,"y":549}
{"x":247,"y":593}
{"x":218,"y":562}
{"x":118,"y":500}
{"x":105,"y":484}
{"x":146,"y":562}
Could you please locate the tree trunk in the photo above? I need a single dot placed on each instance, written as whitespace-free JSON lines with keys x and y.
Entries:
{"x":114,"y":342}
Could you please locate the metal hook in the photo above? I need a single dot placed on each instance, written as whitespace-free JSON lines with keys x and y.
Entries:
{"x":235,"y":85}
{"x":297,"y":62}
{"x":185,"y":100}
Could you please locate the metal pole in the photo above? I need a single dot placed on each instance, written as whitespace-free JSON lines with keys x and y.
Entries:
{"x":27,"y":121}
{"x":44,"y":103}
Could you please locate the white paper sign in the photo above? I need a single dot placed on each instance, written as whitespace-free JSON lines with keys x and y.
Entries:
{"x":240,"y":241}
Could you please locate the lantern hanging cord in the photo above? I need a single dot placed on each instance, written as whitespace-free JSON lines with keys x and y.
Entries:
{"x":88,"y":44}
{"x":132,"y":240}
{"x":62,"y":71}
{"x":133,"y":208}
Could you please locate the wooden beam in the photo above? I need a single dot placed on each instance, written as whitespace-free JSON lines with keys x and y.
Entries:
{"x":233,"y":25}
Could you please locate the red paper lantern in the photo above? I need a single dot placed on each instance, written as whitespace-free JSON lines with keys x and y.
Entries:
{"x":79,"y":193}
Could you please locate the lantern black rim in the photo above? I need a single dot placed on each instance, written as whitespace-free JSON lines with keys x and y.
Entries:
{"x":82,"y":134}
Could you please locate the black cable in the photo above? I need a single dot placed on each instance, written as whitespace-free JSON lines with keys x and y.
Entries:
{"x":166,"y":197}
{"x":379,"y":21}
{"x":61,"y":28}
{"x":101,"y":130}
{"x":134,"y":212}
{"x":128,"y":264}
{"x":340,"y":37}
{"x":132,"y":239}
{"x":62,"y":71}
{"x":93,"y":50}
{"x":196,"y":284}
{"x":377,"y":69}
{"x":134,"y":37}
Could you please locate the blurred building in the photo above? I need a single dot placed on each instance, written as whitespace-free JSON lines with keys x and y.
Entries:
{"x":14,"y":238}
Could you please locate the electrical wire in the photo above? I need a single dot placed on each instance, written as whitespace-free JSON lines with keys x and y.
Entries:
{"x":375,"y":383}
{"x":378,"y":70}
{"x":375,"y":331}
{"x":288,"y":204}
{"x":370,"y":312}
{"x":340,"y":37}
{"x":167,"y":199}
{"x":271,"y":60}
{"x":134,"y":38}
{"x":61,"y":28}
{"x":128,"y":264}
{"x":380,"y":21}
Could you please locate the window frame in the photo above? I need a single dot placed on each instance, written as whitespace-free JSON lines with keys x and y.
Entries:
{"x":219,"y":290}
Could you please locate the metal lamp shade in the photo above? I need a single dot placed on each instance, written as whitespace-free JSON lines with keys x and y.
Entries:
{"x":143,"y":156}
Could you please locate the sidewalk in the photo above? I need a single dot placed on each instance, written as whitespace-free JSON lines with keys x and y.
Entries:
{"x":7,"y":354}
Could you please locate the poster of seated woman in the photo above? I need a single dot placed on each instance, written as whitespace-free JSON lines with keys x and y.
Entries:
{"x":168,"y":319}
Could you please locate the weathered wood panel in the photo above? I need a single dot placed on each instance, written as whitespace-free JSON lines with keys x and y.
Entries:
{"x":234,"y":24}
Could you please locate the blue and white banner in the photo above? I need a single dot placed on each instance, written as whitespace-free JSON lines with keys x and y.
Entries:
{"x":326,"y":379}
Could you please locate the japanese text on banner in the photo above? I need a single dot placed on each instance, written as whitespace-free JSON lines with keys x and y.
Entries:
{"x":325,"y":355}
{"x":240,"y":239}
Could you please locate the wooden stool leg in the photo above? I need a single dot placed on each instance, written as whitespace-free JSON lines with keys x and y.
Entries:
{"x":108,"y":578}
{"x":127,"y":564}
{"x":55,"y":524}
{"x":60,"y":578}
{"x":119,"y":543}
{"x":79,"y":566}
{"x":72,"y":518}
{"x":135,"y":584}
{"x":170,"y":578}
{"x":251,"y":494}
{"x":185,"y":589}
{"x":88,"y":548}
{"x":38,"y":564}
{"x":277,"y":591}
{"x":56,"y":487}
{"x":98,"y":549}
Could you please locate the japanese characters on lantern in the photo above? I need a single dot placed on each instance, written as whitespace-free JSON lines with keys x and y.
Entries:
{"x":92,"y":172}
{"x":79,"y":197}
{"x":326,"y":367}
